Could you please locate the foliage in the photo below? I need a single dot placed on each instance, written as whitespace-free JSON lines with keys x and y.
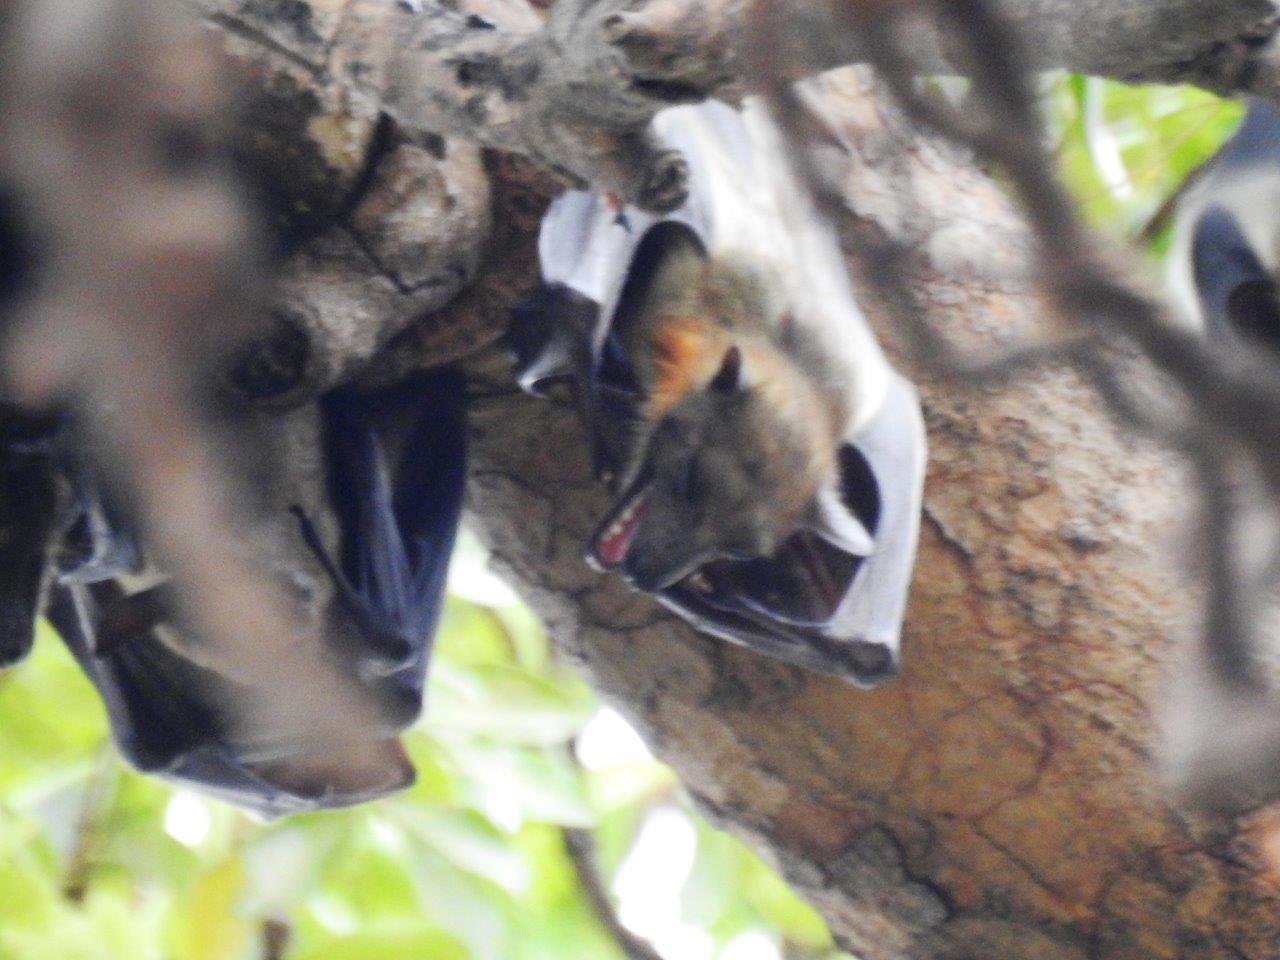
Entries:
{"x":1124,"y":150}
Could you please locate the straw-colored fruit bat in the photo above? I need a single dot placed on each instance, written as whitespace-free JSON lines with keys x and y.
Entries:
{"x":396,"y":462}
{"x":766,"y":461}
{"x":1225,"y":251}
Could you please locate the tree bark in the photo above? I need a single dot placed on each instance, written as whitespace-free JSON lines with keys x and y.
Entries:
{"x":999,"y":799}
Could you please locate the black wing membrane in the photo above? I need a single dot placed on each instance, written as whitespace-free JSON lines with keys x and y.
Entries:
{"x":175,"y":719}
{"x":55,"y":522}
{"x":1233,"y":280}
{"x":1236,"y":291}
{"x":397,"y":467}
{"x":29,"y":520}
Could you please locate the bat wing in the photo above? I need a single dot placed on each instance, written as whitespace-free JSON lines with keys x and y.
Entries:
{"x":98,"y":545}
{"x":1225,"y":242}
{"x":397,"y":464}
{"x":30,"y":508}
{"x":892,"y":453}
{"x":52,"y":515}
{"x":811,"y":603}
{"x":174,"y":719}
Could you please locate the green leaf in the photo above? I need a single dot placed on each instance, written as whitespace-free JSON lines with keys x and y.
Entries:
{"x":469,"y":842}
{"x":53,"y":723}
{"x":512,"y":784}
{"x":385,"y":940}
{"x":794,"y":920}
{"x":214,"y":932}
{"x":508,"y":703}
{"x":1157,"y":134}
{"x":464,"y":905}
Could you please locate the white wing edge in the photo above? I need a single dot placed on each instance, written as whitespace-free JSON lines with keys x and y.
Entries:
{"x":894,"y":445}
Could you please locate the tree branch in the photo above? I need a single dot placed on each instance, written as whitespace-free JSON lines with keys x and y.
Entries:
{"x":581,"y":848}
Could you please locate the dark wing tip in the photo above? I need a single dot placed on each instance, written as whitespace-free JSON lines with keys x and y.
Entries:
{"x":549,"y":337}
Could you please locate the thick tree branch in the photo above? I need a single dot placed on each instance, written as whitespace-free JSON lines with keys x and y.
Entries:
{"x":574,"y":92}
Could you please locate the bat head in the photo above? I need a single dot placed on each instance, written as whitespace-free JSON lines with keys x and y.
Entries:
{"x":732,"y":467}
{"x":738,"y":500}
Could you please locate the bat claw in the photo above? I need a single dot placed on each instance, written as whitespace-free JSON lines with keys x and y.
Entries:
{"x":666,"y":185}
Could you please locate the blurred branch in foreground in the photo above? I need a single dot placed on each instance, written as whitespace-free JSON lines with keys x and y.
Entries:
{"x":148,"y":274}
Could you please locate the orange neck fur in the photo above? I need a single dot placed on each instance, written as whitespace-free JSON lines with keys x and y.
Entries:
{"x":687,"y":353}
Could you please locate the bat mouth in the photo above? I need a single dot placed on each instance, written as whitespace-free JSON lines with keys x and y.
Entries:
{"x":613,"y":538}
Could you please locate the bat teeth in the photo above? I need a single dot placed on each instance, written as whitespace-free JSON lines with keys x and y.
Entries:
{"x":623,"y":520}
{"x":700,"y":583}
{"x":611,"y":546}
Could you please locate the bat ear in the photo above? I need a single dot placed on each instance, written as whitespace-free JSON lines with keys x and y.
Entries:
{"x":830,"y":519}
{"x":729,"y":375}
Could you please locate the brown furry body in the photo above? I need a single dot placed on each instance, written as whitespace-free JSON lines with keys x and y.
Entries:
{"x":737,"y":435}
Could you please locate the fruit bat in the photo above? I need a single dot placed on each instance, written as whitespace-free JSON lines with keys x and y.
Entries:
{"x":173,"y":718}
{"x":396,"y":463}
{"x":765,"y":459}
{"x":1225,"y":249}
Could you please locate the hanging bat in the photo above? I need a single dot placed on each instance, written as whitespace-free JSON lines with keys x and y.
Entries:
{"x":54,"y":523}
{"x":397,"y":465}
{"x":766,"y":461}
{"x":173,"y":718}
{"x":397,"y":470}
{"x":1226,"y":235}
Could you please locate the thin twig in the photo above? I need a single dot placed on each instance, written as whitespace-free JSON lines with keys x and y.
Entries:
{"x":581,"y":848}
{"x":97,"y":795}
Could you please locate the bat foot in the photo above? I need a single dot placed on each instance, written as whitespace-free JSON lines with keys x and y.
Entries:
{"x":666,"y":185}
{"x":549,"y":337}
